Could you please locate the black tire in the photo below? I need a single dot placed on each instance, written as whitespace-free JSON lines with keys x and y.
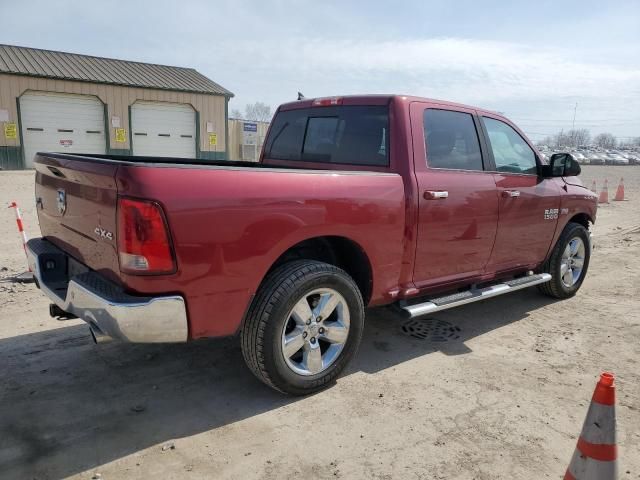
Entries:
{"x":261,"y":336}
{"x":555,"y":287}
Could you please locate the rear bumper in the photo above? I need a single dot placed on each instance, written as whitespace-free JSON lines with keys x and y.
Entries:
{"x":103,"y":305}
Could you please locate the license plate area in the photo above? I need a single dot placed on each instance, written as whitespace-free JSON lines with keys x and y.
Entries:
{"x":56,"y":269}
{"x":74,"y":267}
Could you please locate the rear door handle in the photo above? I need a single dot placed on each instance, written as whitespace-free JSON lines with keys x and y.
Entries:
{"x":510,"y":193}
{"x":435,"y":194}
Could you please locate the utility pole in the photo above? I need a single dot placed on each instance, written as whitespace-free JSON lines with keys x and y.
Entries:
{"x":573,"y":125}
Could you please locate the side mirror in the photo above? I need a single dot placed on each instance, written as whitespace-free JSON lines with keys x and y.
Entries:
{"x":561,"y":165}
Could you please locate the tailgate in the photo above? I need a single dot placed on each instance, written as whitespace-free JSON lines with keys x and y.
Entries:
{"x":76,"y":204}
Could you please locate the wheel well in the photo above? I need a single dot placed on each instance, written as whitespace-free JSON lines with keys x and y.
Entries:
{"x":583,"y":219}
{"x":338,"y":251}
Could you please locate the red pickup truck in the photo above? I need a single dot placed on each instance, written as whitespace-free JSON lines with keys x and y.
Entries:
{"x":356,"y":201}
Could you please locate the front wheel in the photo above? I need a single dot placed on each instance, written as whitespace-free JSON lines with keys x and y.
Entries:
{"x":304,"y":326}
{"x":568,"y":262}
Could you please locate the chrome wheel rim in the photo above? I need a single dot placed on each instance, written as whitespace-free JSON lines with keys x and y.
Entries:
{"x":572,"y":262}
{"x":315,"y":332}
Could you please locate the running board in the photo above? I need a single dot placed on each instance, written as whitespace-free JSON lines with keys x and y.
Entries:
{"x":473,"y":295}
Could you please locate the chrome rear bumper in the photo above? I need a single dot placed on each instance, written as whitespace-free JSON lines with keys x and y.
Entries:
{"x":103,"y":305}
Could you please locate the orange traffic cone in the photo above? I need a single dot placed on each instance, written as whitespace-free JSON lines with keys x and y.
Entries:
{"x":620,"y":191}
{"x":594,"y":188}
{"x":596,"y":454}
{"x":604,"y":194}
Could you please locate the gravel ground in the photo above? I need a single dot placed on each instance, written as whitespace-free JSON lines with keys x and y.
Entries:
{"x":504,"y":397}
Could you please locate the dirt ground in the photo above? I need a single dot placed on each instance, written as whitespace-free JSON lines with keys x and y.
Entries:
{"x":504,"y":397}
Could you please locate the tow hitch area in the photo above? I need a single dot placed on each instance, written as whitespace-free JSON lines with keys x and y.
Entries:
{"x":56,"y":312}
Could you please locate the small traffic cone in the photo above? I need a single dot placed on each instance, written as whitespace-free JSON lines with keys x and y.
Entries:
{"x":620,"y":191}
{"x":596,"y":455}
{"x":594,"y":188}
{"x":604,"y":194}
{"x":26,"y":277}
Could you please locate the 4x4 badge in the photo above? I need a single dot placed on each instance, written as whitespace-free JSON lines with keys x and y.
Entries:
{"x":102,"y":233}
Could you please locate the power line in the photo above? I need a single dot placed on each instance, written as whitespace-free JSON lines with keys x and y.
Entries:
{"x":592,"y":120}
{"x":588,"y":120}
{"x":526,"y":117}
{"x":555,"y":133}
{"x":584,"y":120}
{"x":594,"y":126}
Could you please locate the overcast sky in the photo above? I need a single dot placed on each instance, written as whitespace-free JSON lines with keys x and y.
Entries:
{"x":531,"y":60}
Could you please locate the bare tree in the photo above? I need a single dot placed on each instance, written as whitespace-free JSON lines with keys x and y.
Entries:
{"x":578,"y":137}
{"x":629,"y":143}
{"x":569,"y":139}
{"x":259,"y":112}
{"x":559,"y":140}
{"x":235,"y":113}
{"x":562,"y":140}
{"x":605,"y":140}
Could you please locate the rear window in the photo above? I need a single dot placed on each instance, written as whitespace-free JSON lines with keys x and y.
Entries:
{"x":350,"y":135}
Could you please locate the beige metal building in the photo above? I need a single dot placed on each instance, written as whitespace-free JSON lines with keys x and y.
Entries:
{"x":64,"y":102}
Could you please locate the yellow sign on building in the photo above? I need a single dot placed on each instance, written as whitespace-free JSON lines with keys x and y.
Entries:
{"x":10,"y":131}
{"x":121,"y":135}
{"x":213,"y":139}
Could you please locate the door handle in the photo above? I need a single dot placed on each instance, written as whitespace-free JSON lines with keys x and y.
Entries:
{"x":510,"y":193}
{"x":435,"y":194}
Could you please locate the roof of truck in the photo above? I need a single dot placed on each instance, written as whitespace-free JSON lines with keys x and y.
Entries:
{"x":377,"y":99}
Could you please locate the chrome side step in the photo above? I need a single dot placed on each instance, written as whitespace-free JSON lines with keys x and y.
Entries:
{"x":473,"y":295}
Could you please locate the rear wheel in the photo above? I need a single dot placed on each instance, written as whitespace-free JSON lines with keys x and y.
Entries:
{"x":303,"y":327}
{"x":568,"y":262}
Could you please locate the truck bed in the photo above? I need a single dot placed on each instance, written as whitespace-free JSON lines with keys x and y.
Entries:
{"x":229,"y":222}
{"x":130,"y":160}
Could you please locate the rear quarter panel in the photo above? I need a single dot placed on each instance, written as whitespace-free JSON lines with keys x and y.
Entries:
{"x":230,"y":225}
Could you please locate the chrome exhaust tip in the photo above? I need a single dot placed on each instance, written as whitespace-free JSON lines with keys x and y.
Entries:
{"x":98,"y":336}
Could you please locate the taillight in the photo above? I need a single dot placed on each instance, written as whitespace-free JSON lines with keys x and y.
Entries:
{"x":143,"y":238}
{"x":327,"y":101}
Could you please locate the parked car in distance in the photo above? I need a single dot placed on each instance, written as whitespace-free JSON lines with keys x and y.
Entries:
{"x":596,"y":158}
{"x":579,"y":157}
{"x":616,"y":159}
{"x":633,"y":159}
{"x":416,"y":204}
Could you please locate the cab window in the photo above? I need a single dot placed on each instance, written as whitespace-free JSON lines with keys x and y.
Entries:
{"x":451,"y":140}
{"x":349,"y":135}
{"x":510,"y":152}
